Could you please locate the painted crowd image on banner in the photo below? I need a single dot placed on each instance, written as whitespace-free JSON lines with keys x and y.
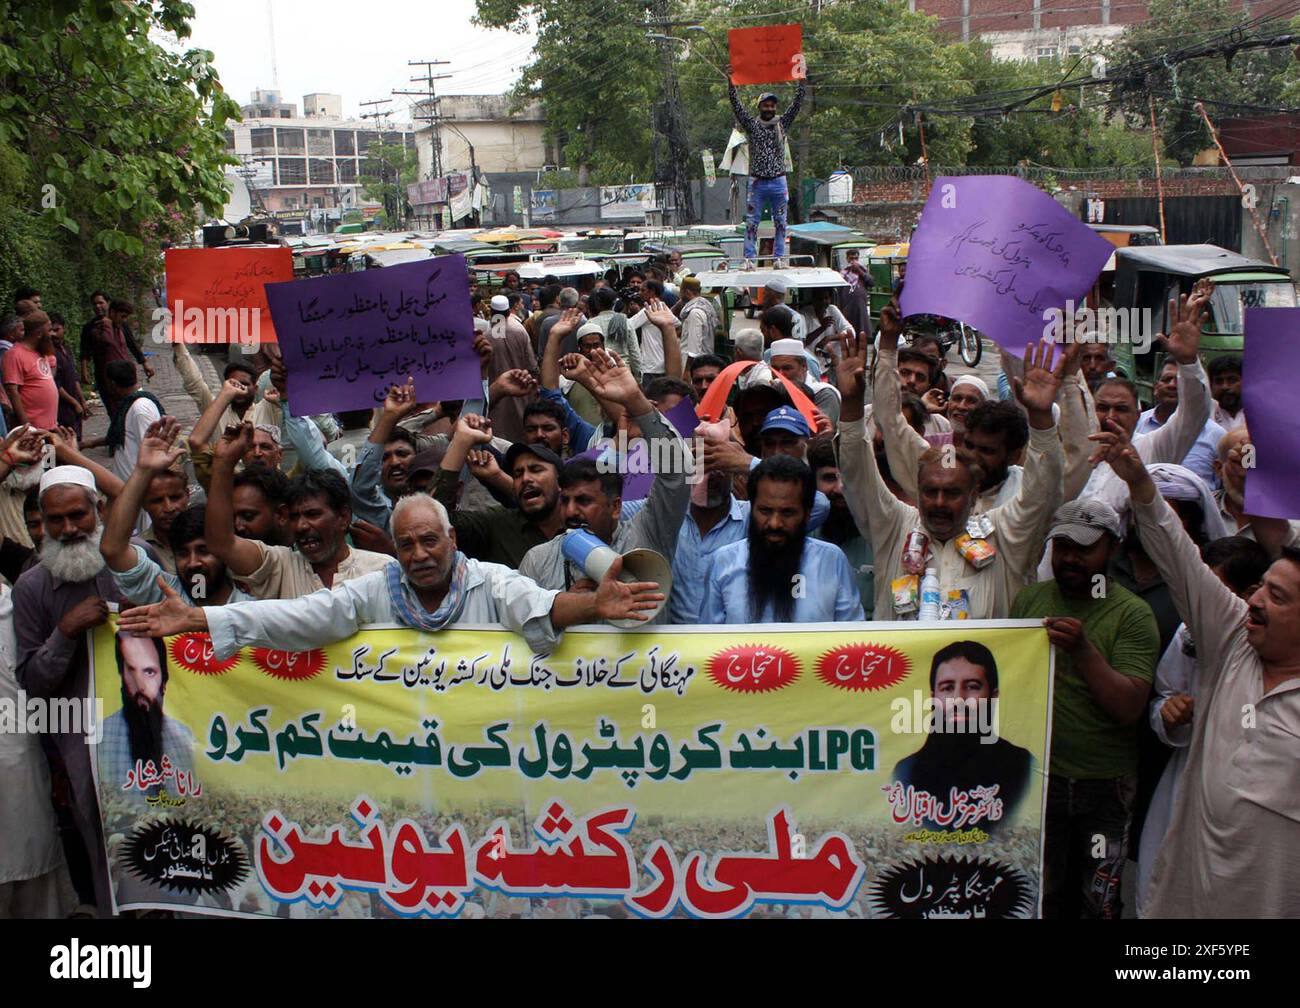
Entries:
{"x":840,"y":771}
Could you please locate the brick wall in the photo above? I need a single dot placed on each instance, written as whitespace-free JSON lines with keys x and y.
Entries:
{"x":887,"y":211}
{"x":896,"y":192}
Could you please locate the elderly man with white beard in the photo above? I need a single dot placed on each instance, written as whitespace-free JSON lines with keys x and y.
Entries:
{"x":55,"y":603}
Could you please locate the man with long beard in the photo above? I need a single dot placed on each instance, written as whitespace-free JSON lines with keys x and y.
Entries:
{"x":55,"y":603}
{"x":140,"y":733}
{"x":778,"y":574}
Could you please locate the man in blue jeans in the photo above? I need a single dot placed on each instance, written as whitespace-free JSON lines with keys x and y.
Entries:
{"x":766,"y":132}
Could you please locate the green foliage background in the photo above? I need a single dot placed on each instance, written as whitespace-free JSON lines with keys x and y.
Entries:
{"x":111,"y":145}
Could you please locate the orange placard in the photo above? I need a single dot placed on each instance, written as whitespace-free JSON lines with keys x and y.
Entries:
{"x":766,"y":54}
{"x":218,"y":295}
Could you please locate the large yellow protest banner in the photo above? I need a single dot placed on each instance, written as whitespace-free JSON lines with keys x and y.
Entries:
{"x":841,"y":770}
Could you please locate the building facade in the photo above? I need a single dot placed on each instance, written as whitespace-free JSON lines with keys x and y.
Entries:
{"x":480,"y":131}
{"x":293,"y":162}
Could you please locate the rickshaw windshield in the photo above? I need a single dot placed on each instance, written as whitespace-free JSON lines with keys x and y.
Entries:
{"x":1230,"y":300}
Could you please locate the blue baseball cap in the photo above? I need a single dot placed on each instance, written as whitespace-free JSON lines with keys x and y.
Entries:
{"x":786,"y":418}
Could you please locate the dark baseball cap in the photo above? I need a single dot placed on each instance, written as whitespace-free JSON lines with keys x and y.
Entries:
{"x":538,"y":449}
{"x":427,"y":461}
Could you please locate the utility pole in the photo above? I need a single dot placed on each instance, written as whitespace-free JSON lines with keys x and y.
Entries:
{"x":431,"y":116}
{"x":805,"y":127}
{"x":431,"y":101}
{"x":678,"y":155}
{"x":383,"y":167}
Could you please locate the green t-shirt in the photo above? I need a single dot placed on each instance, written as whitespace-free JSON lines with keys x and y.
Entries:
{"x":1087,"y":743}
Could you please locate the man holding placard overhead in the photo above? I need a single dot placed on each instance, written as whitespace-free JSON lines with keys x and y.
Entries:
{"x":767,"y":165}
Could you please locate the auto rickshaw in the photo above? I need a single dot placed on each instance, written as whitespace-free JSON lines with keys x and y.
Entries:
{"x":886,"y":263}
{"x":827,"y":243}
{"x":1147,"y":277}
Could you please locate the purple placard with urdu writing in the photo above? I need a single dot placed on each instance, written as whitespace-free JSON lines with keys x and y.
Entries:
{"x":999,"y":254}
{"x":1268,"y":397}
{"x":347,"y":338}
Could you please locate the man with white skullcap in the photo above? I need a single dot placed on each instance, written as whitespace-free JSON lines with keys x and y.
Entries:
{"x":774,"y":294}
{"x":511,"y":350}
{"x":55,"y":603}
{"x":967,"y":392}
{"x":790,"y":359}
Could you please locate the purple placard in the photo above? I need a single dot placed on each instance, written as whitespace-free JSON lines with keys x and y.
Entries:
{"x":1268,"y":397}
{"x":1001,"y":255}
{"x":636,"y":480}
{"x":347,"y":338}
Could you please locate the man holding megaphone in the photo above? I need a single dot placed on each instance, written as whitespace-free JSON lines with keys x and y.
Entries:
{"x":591,"y":498}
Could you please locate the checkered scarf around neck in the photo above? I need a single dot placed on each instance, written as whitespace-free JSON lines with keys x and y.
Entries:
{"x":411,"y":613}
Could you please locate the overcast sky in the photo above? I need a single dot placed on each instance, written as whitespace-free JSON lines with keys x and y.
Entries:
{"x":355,"y":49}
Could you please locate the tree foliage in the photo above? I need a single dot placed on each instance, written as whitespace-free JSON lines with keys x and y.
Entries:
{"x":108,"y":140}
{"x":1249,"y":82}
{"x":385,"y":174}
{"x":595,"y":74}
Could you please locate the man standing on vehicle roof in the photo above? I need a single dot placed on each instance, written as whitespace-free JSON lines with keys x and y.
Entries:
{"x":767,"y":185}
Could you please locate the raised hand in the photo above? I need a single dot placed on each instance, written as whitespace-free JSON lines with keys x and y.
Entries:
{"x":483,"y":347}
{"x":568,"y":322}
{"x":934,"y":400}
{"x":483,"y":465}
{"x":368,"y":536}
{"x":234,"y":443}
{"x":279,"y":376}
{"x":660,"y":314}
{"x":821,"y":422}
{"x":472,"y":429}
{"x":23,"y":446}
{"x":891,"y":327}
{"x":726,"y":456}
{"x":400,"y":400}
{"x":612,"y":379}
{"x":1189,"y":313}
{"x":233,"y":388}
{"x":851,"y":370}
{"x":619,"y":600}
{"x":163,"y":619}
{"x":1115,"y":448}
{"x":1037,"y":390}
{"x":574,"y":366}
{"x":158,"y":450}
{"x":515,"y":382}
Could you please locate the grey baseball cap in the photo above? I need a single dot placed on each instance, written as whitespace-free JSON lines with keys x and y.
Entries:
{"x":1084,"y":521}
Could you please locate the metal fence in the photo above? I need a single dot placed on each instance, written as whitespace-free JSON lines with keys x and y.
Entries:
{"x":865,"y":175}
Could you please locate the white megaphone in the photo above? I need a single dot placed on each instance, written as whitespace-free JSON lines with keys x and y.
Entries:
{"x":595,"y":557}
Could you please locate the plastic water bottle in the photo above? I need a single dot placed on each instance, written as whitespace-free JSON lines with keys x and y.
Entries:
{"x":929,"y":596}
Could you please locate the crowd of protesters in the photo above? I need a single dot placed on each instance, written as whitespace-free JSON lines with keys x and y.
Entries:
{"x":843,"y":462}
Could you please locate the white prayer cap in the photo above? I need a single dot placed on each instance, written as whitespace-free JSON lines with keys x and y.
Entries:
{"x":588,"y":328}
{"x":787,"y":348}
{"x":977,"y":383}
{"x":777,"y":286}
{"x":500,"y":303}
{"x":67,"y":475}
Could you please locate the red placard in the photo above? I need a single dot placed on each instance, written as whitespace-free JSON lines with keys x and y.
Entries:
{"x":218,"y":295}
{"x":766,"y":54}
